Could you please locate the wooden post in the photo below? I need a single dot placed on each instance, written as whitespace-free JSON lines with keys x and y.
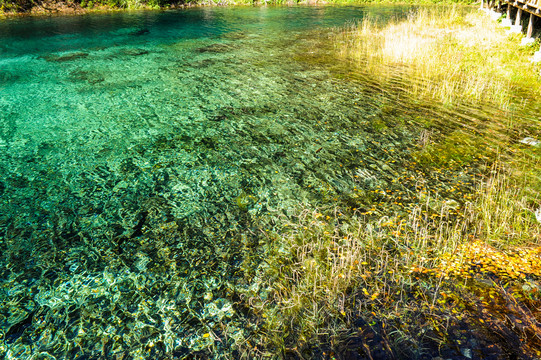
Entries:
{"x":499,"y":5}
{"x":530,"y":26}
{"x":519,"y":14}
{"x":509,"y":11}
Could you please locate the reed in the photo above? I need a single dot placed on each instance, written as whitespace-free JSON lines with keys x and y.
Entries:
{"x":448,"y":53}
{"x":328,"y":268}
{"x":332,"y":275}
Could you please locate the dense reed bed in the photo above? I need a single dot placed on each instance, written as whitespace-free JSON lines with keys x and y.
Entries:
{"x":451,"y":54}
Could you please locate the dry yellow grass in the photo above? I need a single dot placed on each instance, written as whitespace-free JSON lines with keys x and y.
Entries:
{"x":447,"y":53}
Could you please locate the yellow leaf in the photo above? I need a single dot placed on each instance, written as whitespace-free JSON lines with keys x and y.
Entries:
{"x":366,"y":292}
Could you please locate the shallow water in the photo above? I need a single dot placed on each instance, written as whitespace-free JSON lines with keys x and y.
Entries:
{"x":143,"y":157}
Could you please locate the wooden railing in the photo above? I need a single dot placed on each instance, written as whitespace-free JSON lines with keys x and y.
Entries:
{"x":532,"y":6}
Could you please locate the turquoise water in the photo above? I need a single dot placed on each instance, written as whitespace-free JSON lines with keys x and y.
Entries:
{"x":144,"y":156}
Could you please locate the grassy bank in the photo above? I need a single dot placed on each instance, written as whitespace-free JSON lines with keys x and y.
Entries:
{"x":454,"y":275}
{"x":14,"y":7}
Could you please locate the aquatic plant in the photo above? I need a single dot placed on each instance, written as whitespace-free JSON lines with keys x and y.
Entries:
{"x":332,"y":271}
{"x":242,"y":207}
{"x":452,"y":54}
{"x":451,"y":267}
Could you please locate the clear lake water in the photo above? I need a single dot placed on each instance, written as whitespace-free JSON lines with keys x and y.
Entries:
{"x":144,"y":154}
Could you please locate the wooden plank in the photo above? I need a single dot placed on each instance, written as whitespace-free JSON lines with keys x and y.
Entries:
{"x":529,"y":6}
{"x":530,"y":26}
{"x":519,"y":14}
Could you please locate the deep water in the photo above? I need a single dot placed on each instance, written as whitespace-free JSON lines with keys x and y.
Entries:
{"x":145,"y":156}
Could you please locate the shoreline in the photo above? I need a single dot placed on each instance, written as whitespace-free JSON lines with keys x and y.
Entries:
{"x":64,"y":9}
{"x":61,"y":8}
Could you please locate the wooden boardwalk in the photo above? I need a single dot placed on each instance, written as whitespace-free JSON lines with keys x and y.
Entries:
{"x":533,"y":7}
{"x":514,"y":9}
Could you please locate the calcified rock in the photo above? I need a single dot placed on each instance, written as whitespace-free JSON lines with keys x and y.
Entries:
{"x":506,"y":23}
{"x":67,"y":56}
{"x":527,"y":41}
{"x":530,"y":141}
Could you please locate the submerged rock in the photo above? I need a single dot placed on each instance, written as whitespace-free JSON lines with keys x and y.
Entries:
{"x":65,"y":57}
{"x":132,"y":52}
{"x":214,"y":48}
{"x":530,"y":141}
{"x":140,"y":32}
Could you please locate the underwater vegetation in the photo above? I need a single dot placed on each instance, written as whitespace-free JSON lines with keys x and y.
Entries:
{"x":218,"y":192}
{"x":433,"y":268}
